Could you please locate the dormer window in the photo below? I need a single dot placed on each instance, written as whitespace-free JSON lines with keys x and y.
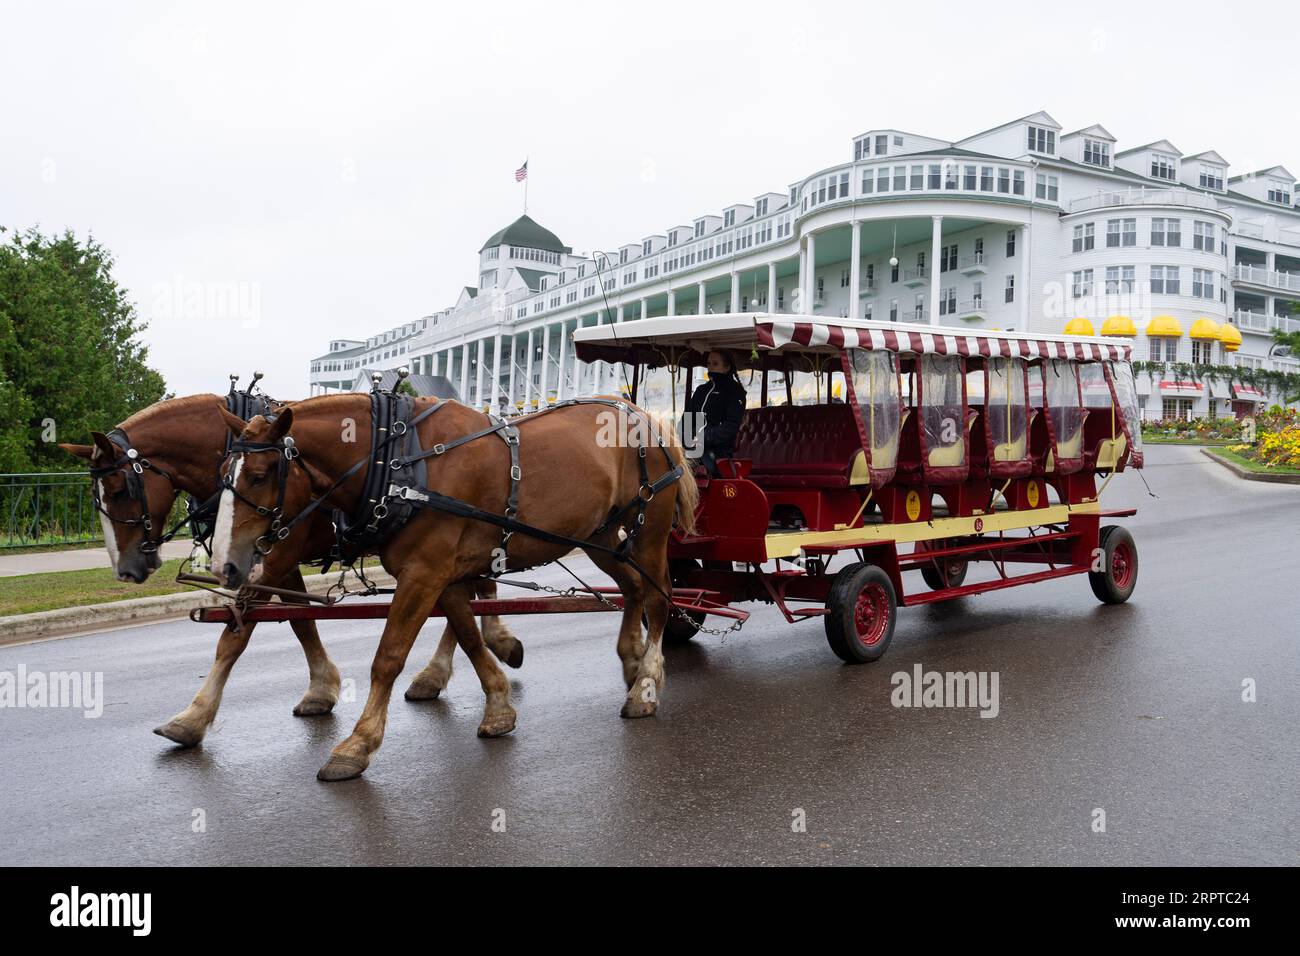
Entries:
{"x":1163,"y":167}
{"x":1096,"y":152}
{"x":543,"y":289}
{"x":861,"y":149}
{"x":728,"y":218}
{"x":622,"y":256}
{"x":760,"y":207}
{"x":882,"y":145}
{"x":672,"y":238}
{"x":699,"y":231}
{"x":1042,"y":140}
{"x":1211,"y":177}
{"x":1279,"y":192}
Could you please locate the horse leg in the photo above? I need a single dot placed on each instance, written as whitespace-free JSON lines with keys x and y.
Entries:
{"x":647,"y":689}
{"x":414,"y":600}
{"x":631,"y":646}
{"x":496,"y":635}
{"x":189,"y":726}
{"x":323,"y":686}
{"x":433,"y":680}
{"x":498,"y":715}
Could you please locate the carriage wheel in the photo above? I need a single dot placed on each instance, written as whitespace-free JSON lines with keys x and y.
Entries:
{"x":676,"y":630}
{"x":944,"y":573}
{"x":860,"y":613}
{"x":1114,"y":584}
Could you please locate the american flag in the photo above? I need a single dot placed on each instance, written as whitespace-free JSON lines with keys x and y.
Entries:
{"x":522,"y":172}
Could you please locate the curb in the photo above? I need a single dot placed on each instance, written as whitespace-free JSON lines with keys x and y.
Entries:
{"x":1240,"y":472}
{"x":71,"y":621}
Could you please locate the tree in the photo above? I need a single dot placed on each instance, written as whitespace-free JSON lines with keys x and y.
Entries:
{"x":70,"y":358}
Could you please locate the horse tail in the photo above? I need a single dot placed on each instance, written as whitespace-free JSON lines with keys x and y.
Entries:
{"x":688,"y":492}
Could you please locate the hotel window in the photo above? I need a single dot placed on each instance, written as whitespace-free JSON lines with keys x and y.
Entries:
{"x":609,"y":284}
{"x":882,"y":179}
{"x":794,"y":191}
{"x":1201,"y":352}
{"x":1010,"y":294}
{"x":1011,"y":245}
{"x":1169,"y":353}
{"x":986,"y":179}
{"x":699,"y":231}
{"x":1119,"y":280}
{"x":858,"y":151}
{"x":1121,"y":232}
{"x":869,"y":276}
{"x":977,"y":295}
{"x":948,"y":301}
{"x":1203,"y":283}
{"x":979,"y":249}
{"x":629,"y":277}
{"x":1279,"y":193}
{"x":1004,"y":179}
{"x":920,"y":263}
{"x":1046,"y":186}
{"x":918,"y":177}
{"x":1211,"y":177}
{"x":844,"y":188}
{"x":672,"y":238}
{"x":868,"y":181}
{"x":867,"y":310}
{"x":893,"y":310}
{"x":898,"y":141}
{"x":1084,"y":237}
{"x":729,"y":217}
{"x":572,"y":294}
{"x":933,"y":180}
{"x":1096,"y":153}
{"x":1166,"y":232}
{"x":920,"y":306}
{"x":900,"y":178}
{"x":882,"y":145}
{"x":1180,"y":408}
{"x":821,"y":196}
{"x":950,"y":177}
{"x":969,"y":178}
{"x":780,"y":297}
{"x":1018,"y":182}
{"x":545,"y":281}
{"x":844,"y":278}
{"x":1164,"y":280}
{"x":948,"y":258}
{"x":1042,"y":140}
{"x":1163,"y":167}
{"x":760,"y":207}
{"x":821,"y":289}
{"x":1081,"y":284}
{"x":1203,"y":236}
{"x":893,"y":273}
{"x":645,"y":248}
{"x":582,"y":271}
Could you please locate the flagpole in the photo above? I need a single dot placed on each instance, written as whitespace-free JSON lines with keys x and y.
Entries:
{"x":525,"y":186}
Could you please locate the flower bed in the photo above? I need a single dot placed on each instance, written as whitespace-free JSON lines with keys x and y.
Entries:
{"x":1198,"y":430}
{"x":1277,"y":440}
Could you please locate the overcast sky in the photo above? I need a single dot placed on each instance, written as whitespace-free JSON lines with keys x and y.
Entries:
{"x":336,"y":167}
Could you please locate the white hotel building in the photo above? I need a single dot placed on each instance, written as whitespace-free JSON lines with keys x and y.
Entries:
{"x":1022,"y":227}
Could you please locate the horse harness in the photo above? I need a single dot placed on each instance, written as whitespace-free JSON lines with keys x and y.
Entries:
{"x":393,"y":491}
{"x":199,"y":516}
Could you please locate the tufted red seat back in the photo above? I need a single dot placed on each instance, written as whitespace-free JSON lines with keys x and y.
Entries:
{"x":799,"y":440}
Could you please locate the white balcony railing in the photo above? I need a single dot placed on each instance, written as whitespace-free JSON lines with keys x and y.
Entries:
{"x":916,"y":276}
{"x":1263,"y":322}
{"x":973,"y":307}
{"x":1256,"y":275}
{"x":972,"y":264}
{"x":1144,"y":196}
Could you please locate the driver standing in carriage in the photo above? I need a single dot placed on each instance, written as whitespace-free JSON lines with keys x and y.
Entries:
{"x":714,"y":413}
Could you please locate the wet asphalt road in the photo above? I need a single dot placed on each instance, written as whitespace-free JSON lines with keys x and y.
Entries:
{"x":1134,"y":709}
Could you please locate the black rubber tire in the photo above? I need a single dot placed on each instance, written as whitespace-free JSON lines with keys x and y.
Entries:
{"x":955,"y":568}
{"x":842,"y":618}
{"x":1115,"y":583}
{"x":677,"y":631}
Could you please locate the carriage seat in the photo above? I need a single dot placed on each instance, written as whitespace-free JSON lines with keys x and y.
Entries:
{"x":802,"y":446}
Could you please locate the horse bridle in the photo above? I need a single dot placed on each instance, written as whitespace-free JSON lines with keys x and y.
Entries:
{"x":133,"y":465}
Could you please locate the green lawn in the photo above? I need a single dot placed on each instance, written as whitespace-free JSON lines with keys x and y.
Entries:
{"x":1207,"y":442}
{"x":1251,"y":465}
{"x":28,"y":593}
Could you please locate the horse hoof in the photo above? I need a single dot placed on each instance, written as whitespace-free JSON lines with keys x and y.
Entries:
{"x":178,"y":733}
{"x":515,"y":658}
{"x":340,"y":768}
{"x":634,"y":708}
{"x":417,"y":693}
{"x":316,"y":707}
{"x":498,"y":725}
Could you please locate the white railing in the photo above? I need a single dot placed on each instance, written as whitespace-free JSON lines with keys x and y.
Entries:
{"x":973,"y":307}
{"x":1268,"y":277}
{"x":1143,"y":196}
{"x":1263,"y":322}
{"x":973,"y":261}
{"x":916,"y":275}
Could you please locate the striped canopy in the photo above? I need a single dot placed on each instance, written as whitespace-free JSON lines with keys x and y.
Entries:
{"x":646,"y":340}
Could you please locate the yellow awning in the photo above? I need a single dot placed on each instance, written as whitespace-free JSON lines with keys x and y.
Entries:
{"x":1119,"y":325}
{"x":1164,"y":325}
{"x":1204,"y":330}
{"x":1079,"y":326}
{"x":1230,"y":337}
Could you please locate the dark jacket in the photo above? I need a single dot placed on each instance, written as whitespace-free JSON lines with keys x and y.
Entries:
{"x":722,"y":405}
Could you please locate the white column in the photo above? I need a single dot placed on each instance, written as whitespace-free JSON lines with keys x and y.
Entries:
{"x":855,"y":271}
{"x":513,"y":349}
{"x":672,"y":302}
{"x":528,"y":372}
{"x":464,"y":373}
{"x":735,"y":292}
{"x":809,"y":294}
{"x":936,"y":236}
{"x":699,"y":309}
{"x":620,"y":312}
{"x":561,"y":380}
{"x":598,"y":370}
{"x":771,"y":287}
{"x":543,"y":393}
{"x":1022,"y":241}
{"x":478,"y":374}
{"x":495,"y":388}
{"x":645,"y":308}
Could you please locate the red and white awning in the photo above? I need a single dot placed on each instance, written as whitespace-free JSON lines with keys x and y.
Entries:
{"x":1182,"y":388}
{"x":1244,"y":393}
{"x":641,"y":338}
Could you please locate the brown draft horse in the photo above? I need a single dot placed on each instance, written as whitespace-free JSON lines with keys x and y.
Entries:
{"x":572,"y":481}
{"x":185,"y":439}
